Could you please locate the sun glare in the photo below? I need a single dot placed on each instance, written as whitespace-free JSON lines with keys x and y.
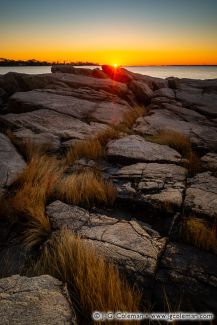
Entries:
{"x":115,"y":65}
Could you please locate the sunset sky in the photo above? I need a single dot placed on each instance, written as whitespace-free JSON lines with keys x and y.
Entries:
{"x":126,"y":32}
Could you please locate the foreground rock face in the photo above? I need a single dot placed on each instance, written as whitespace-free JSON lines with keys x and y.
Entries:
{"x":209,"y":161}
{"x":160,"y":185}
{"x":201,"y":131}
{"x":136,"y":148}
{"x":188,"y":276}
{"x":132,"y":246}
{"x":75,"y":104}
{"x":39,"y":300}
{"x":11,"y":163}
{"x":201,"y":195}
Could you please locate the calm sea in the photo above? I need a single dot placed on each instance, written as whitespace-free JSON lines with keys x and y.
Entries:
{"x":193,"y":72}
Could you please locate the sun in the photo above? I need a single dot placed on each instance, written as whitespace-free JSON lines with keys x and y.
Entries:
{"x":115,"y":65}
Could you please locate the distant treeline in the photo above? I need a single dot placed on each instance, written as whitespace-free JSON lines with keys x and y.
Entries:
{"x":6,"y":62}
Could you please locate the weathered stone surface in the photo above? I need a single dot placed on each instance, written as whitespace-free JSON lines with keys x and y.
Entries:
{"x":141,"y":91}
{"x":24,"y":135}
{"x":129,"y":244}
{"x":188,"y":276}
{"x":71,"y":69}
{"x":14,"y":82}
{"x":11,"y":163}
{"x":161,"y":185}
{"x":102,"y":111}
{"x":45,"y":121}
{"x":201,"y":195}
{"x":164,"y":92}
{"x":199,"y":95}
{"x":201,"y":132}
{"x":118,"y":74}
{"x":38,"y":300}
{"x":209,"y":161}
{"x":136,"y":148}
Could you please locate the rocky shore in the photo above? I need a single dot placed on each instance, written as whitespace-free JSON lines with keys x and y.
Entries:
{"x":160,"y":230}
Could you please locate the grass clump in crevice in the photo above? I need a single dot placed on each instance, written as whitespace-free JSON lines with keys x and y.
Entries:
{"x":129,"y":119}
{"x":90,"y":149}
{"x":199,"y":234}
{"x":94,"y":148}
{"x":86,"y":188}
{"x":31,"y":190}
{"x":182,"y":144}
{"x":93,"y":283}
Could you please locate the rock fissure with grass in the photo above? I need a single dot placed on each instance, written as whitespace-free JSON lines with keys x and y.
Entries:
{"x":108,"y":184}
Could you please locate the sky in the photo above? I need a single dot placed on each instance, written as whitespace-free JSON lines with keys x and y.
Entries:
{"x":125,"y":32}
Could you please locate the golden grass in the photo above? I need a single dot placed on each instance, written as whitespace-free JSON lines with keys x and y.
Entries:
{"x":173,"y":139}
{"x":94,"y":148}
{"x":193,"y":164}
{"x":129,"y":119}
{"x":180,"y":143}
{"x":109,"y":134}
{"x":197,"y":232}
{"x":91,"y":149}
{"x":32,"y":189}
{"x":86,"y":188}
{"x":93,"y":283}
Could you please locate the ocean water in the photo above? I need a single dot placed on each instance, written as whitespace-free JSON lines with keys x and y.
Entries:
{"x":192,"y":72}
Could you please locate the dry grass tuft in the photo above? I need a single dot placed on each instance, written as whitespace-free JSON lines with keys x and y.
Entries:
{"x":173,"y":139}
{"x":129,"y":119}
{"x":33,"y":187}
{"x":193,"y":164}
{"x":86,"y":188}
{"x":93,"y":283}
{"x":94,"y":148}
{"x":180,"y":143}
{"x":91,"y":149}
{"x":197,"y":232}
{"x":109,"y":134}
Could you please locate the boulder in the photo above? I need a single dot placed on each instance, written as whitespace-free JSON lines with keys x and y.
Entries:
{"x":202,"y":133}
{"x":131,"y":245}
{"x":117,"y":74}
{"x":141,"y":91}
{"x":164,"y":92}
{"x":101,"y":111}
{"x":199,"y":95}
{"x":11,"y":163}
{"x":14,"y":82}
{"x":209,"y":161}
{"x":135,"y":148}
{"x":201,"y":195}
{"x":160,"y":185}
{"x":97,"y":73}
{"x":39,"y":300}
{"x":42,"y":122}
{"x":66,"y":68}
{"x":187,"y":279}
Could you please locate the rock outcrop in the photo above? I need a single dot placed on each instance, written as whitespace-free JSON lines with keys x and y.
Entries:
{"x":131,"y":245}
{"x":159,"y":185}
{"x":135,"y":148}
{"x":11,"y":163}
{"x":39,"y":300}
{"x":188,"y":278}
{"x":142,"y":232}
{"x":201,"y":195}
